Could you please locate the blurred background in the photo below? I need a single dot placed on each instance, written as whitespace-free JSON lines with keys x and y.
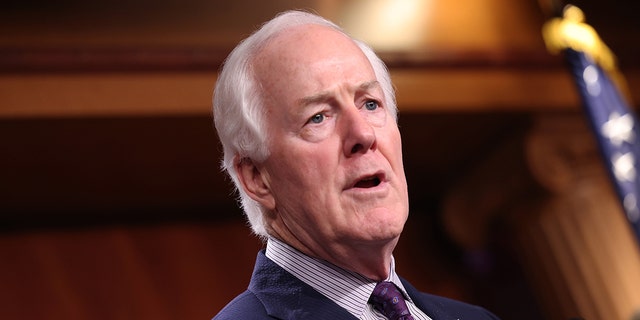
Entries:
{"x":112,"y":204}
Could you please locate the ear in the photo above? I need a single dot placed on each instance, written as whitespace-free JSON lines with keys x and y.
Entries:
{"x":255,"y":182}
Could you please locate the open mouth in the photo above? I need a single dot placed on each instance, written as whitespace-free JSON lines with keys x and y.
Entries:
{"x":369,"y":182}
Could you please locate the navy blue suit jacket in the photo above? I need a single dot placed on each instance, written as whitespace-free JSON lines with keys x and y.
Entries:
{"x":274,"y":293}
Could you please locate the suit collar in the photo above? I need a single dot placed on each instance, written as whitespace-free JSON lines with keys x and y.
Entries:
{"x":286,"y":297}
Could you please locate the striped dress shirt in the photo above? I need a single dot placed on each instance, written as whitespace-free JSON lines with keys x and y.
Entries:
{"x":350,"y":290}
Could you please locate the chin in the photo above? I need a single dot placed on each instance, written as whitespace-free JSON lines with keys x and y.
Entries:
{"x":387,"y":231}
{"x":388,"y":240}
{"x":380,"y":224}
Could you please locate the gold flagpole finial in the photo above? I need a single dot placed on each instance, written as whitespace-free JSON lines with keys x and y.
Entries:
{"x":572,"y":32}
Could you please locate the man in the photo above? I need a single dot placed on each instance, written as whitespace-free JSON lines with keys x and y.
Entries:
{"x":307,"y":119}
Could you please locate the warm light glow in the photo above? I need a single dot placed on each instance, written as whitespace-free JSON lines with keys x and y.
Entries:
{"x":387,"y":25}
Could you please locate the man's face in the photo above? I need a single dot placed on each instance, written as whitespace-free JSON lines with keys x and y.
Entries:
{"x":335,"y":174}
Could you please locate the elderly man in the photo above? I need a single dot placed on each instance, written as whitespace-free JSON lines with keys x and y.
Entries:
{"x":307,"y":119}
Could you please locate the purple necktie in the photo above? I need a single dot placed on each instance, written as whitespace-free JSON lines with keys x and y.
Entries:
{"x":389,"y":301}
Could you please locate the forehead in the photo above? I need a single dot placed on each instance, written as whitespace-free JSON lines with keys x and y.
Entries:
{"x":305,"y":59}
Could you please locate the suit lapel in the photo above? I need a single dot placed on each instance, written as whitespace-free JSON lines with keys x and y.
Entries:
{"x":433,"y":309}
{"x":286,"y":297}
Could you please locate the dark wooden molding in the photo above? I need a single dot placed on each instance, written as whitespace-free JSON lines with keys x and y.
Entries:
{"x":203,"y":58}
{"x":96,"y":59}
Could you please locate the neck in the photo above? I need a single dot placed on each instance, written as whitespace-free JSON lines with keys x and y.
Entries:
{"x":371,"y":259}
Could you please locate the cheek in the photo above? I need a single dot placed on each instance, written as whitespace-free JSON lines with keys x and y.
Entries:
{"x":302,"y":169}
{"x":395,"y":146}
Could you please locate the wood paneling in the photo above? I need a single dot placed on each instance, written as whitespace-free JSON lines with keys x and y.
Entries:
{"x":157,"y":271}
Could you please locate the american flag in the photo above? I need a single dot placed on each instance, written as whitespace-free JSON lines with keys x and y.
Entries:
{"x":616,"y":128}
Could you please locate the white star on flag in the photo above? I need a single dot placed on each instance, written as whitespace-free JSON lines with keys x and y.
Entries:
{"x":619,"y":128}
{"x":624,"y":166}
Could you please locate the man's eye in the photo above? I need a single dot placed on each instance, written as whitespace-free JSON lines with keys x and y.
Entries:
{"x":317,"y":118}
{"x":371,"y":105}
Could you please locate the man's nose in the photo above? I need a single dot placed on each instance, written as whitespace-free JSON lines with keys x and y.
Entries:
{"x":359,"y":134}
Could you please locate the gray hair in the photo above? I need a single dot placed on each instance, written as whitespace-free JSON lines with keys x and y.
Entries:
{"x":238,"y":103}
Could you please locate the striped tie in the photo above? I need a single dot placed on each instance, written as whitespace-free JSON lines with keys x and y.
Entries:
{"x":389,"y":301}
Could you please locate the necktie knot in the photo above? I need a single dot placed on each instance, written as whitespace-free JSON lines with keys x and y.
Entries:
{"x":387,"y":299}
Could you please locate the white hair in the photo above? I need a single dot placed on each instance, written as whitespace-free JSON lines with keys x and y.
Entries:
{"x":238,"y":106}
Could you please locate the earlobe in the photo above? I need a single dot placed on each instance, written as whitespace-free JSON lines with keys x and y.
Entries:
{"x":255,"y":182}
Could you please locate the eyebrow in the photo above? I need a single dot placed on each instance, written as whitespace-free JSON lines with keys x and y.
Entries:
{"x":326,"y":95}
